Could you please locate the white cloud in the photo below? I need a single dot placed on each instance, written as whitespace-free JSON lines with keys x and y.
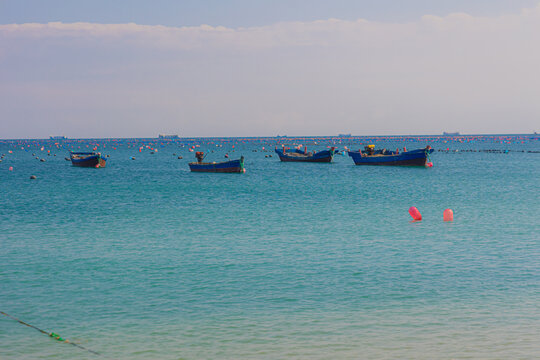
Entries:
{"x":473,"y":74}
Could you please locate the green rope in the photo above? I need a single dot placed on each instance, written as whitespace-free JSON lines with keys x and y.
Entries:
{"x":51,"y":334}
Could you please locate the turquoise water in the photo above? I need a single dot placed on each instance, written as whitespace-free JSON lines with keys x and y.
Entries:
{"x":143,"y":259}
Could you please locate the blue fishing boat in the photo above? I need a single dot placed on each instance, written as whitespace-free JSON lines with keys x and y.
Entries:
{"x":370,"y":156}
{"x":87,"y":159}
{"x":231,"y":166}
{"x":304,"y":156}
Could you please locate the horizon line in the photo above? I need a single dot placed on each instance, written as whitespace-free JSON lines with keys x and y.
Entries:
{"x":340,"y":136}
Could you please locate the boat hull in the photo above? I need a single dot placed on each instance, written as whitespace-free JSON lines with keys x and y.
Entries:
{"x":233,"y":166}
{"x":409,"y":158}
{"x":324,"y":156}
{"x":93,"y":160}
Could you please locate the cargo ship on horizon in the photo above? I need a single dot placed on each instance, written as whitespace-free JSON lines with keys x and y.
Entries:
{"x":168,"y":136}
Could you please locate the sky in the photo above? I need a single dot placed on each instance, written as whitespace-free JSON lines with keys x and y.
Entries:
{"x":137,"y":68}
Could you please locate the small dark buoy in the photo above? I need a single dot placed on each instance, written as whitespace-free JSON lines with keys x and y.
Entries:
{"x":33,"y":177}
{"x":133,"y":158}
{"x":42,"y":160}
{"x":151,"y":152}
{"x":180,"y":157}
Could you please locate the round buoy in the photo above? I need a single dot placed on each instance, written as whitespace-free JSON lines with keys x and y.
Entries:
{"x":33,"y":177}
{"x":133,"y":158}
{"x":10,"y":168}
{"x":429,"y":164}
{"x":448,"y":215}
{"x":413,"y":211}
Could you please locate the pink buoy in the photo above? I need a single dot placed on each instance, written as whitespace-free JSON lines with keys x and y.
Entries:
{"x":448,"y":215}
{"x":413,"y":211}
{"x":10,"y":168}
{"x":429,"y":164}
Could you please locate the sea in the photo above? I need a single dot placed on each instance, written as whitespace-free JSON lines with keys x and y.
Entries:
{"x":143,"y":259}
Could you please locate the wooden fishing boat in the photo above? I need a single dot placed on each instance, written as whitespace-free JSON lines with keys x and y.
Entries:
{"x":231,"y":166}
{"x":304,"y":156}
{"x":370,"y":156}
{"x":87,"y":159}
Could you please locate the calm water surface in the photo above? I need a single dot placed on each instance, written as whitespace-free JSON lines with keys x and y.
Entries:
{"x":143,"y":259}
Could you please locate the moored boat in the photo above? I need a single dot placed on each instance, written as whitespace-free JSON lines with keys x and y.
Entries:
{"x":231,"y":166}
{"x":87,"y":159}
{"x":304,"y":156}
{"x":370,"y":156}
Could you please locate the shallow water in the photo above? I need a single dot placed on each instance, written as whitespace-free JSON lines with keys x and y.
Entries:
{"x":143,"y":259}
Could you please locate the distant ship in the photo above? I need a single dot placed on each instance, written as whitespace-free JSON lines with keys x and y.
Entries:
{"x":344,"y":135}
{"x":58,"y":137}
{"x":451,"y":133}
{"x":169,"y":137}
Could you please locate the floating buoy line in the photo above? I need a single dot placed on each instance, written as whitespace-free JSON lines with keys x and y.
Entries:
{"x":51,"y":334}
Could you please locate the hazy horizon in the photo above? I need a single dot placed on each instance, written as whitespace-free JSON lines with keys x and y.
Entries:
{"x":180,"y":137}
{"x":67,"y":71}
